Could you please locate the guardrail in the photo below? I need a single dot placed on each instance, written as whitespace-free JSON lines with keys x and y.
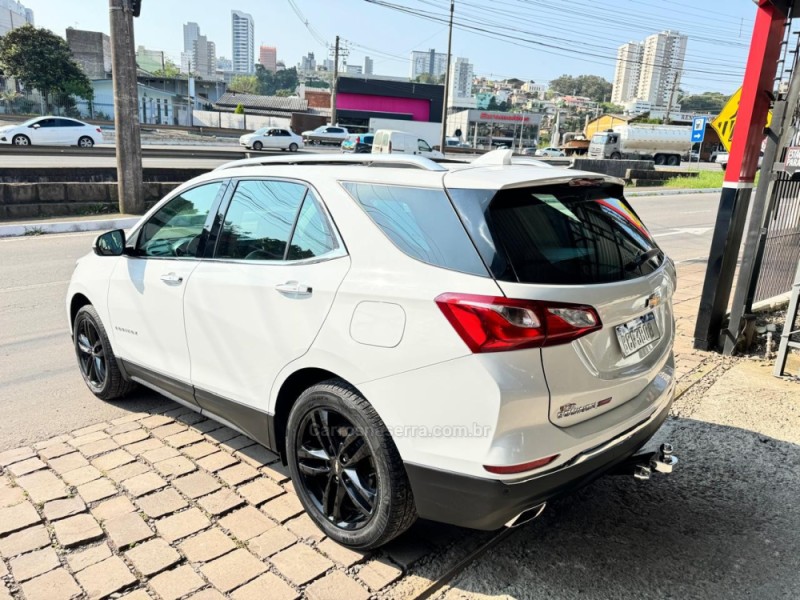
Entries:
{"x":147,"y":152}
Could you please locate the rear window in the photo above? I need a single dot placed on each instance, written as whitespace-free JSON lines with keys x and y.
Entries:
{"x":420,"y":222}
{"x":559,"y":234}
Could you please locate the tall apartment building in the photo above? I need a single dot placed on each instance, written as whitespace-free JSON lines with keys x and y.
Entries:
{"x":354,"y":69}
{"x":191,"y":31}
{"x":627,"y":72}
{"x":12,"y":15}
{"x":204,"y":58}
{"x":308,"y":63}
{"x":243,"y":42}
{"x":431,"y":62}
{"x":461,"y":76}
{"x":662,"y":64}
{"x":92,"y":51}
{"x":368,"y":65}
{"x":268,"y":57}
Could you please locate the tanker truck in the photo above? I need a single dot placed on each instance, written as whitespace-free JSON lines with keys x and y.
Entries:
{"x":664,"y":144}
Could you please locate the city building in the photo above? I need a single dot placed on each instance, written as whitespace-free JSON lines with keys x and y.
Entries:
{"x":224,"y":64}
{"x":531,"y":87}
{"x":627,"y":72}
{"x":92,"y":51}
{"x":368,"y":65}
{"x":12,"y":15}
{"x":186,"y":62}
{"x":242,"y":42}
{"x":149,"y":60}
{"x":358,"y":99}
{"x":268,"y":57}
{"x":204,"y":62}
{"x":354,"y":69}
{"x":328,"y":64}
{"x":461,"y":76}
{"x":191,"y":31}
{"x":662,"y":64}
{"x":431,"y":62}
{"x":484,"y":128}
{"x":307,"y":63}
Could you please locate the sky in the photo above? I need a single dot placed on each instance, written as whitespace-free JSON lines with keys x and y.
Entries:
{"x":535,"y":40}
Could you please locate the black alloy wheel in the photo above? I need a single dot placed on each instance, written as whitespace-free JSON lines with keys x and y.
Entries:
{"x":346,"y":468}
{"x":96,"y":360}
{"x":91,"y":354}
{"x":337,"y":468}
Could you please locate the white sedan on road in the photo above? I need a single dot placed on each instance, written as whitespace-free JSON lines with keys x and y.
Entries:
{"x":272,"y":138}
{"x":52,"y":131}
{"x":549,"y":152}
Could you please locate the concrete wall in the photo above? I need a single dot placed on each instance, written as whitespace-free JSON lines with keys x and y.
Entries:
{"x":36,"y":200}
{"x":91,"y":174}
{"x":207,"y":118}
{"x":92,"y":50}
{"x":615,"y":168}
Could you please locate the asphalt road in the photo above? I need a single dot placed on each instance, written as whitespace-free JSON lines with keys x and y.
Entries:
{"x":41,"y":392}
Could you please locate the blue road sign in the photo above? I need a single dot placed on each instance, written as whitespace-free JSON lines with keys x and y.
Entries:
{"x":698,"y":129}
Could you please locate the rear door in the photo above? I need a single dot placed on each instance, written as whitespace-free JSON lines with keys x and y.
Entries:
{"x":257,"y":302}
{"x":584,"y":245}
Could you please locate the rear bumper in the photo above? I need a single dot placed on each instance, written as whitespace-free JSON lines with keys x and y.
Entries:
{"x":489,"y":504}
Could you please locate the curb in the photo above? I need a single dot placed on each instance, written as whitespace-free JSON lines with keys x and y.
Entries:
{"x":34,"y":228}
{"x":674,"y":192}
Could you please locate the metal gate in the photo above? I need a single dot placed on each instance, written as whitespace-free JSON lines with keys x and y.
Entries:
{"x":781,"y":241}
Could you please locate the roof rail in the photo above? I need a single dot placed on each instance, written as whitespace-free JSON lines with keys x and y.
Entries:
{"x":506,"y":157}
{"x":378,"y":160}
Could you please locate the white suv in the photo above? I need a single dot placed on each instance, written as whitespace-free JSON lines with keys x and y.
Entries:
{"x":457,"y":343}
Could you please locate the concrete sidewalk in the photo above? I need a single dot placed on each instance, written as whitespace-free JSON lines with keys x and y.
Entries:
{"x":106,"y":222}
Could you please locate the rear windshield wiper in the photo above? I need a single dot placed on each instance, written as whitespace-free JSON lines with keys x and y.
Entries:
{"x":642,"y":258}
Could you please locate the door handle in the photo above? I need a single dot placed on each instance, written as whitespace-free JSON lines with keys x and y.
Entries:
{"x":294,"y":288}
{"x":172,"y":279}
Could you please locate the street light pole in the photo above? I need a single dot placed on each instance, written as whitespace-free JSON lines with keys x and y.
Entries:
{"x":333,"y":83}
{"x":442,"y":144}
{"x":126,"y":108}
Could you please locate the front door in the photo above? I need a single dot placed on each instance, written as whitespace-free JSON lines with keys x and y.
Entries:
{"x":147,"y":287}
{"x":260,"y":301}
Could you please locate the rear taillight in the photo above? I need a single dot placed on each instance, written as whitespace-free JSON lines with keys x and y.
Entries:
{"x":495,"y":324}
{"x":521,"y":468}
{"x":358,"y":139}
{"x":99,"y":130}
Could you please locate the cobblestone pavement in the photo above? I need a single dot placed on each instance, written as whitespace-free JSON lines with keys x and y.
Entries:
{"x":175,"y":505}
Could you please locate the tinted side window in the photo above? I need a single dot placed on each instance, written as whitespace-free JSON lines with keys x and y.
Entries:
{"x":46,"y":123}
{"x":423,"y":146}
{"x":421,"y":223}
{"x":176,"y":230}
{"x":67,"y":123}
{"x":259,"y":220}
{"x":312,"y":234}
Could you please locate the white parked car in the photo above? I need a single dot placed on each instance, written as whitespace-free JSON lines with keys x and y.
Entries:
{"x":52,"y":131}
{"x":272,"y":138}
{"x":326,"y":134}
{"x":549,"y":152}
{"x":460,"y":344}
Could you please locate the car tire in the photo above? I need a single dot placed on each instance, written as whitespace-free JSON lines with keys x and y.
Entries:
{"x":96,"y":360}
{"x":293,"y":147}
{"x":21,"y":140}
{"x":615,"y":156}
{"x":659,"y":159}
{"x":673,"y":161}
{"x":372,"y":499}
{"x":86,"y":142}
{"x":257,"y":146}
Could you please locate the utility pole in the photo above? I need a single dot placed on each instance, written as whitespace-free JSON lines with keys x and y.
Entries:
{"x":335,"y":80}
{"x":671,"y":96}
{"x":442,"y":143}
{"x":126,"y":111}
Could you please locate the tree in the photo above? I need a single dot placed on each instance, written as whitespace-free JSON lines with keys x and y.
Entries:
{"x":428,"y":78}
{"x":589,"y":86}
{"x":269,"y":83}
{"x":239,"y":110}
{"x":244,"y":84}
{"x":40,"y":59}
{"x":608,"y":107}
{"x":710,"y":102}
{"x":170,"y":70}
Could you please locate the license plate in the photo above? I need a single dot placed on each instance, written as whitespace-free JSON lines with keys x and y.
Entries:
{"x":637,"y":333}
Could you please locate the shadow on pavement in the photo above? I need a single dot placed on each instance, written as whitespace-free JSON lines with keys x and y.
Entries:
{"x":725,"y":524}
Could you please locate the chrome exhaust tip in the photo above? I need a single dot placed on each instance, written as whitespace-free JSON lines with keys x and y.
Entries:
{"x":527,"y":515}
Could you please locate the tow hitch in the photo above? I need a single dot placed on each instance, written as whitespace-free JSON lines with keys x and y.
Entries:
{"x":642,"y":466}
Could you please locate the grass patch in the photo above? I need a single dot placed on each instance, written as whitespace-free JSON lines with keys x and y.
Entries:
{"x":34,"y":231}
{"x":706,"y":179}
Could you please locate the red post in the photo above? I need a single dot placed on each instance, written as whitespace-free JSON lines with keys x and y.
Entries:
{"x":734,"y":202}
{"x":759,"y":77}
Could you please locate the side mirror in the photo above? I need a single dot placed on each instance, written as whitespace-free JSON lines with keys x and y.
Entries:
{"x":111,"y":243}
{"x":36,"y":126}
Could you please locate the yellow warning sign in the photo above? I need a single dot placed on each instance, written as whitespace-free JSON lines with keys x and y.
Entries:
{"x":726,"y":120}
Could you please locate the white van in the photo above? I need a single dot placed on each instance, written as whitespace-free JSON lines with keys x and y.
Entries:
{"x":389,"y":141}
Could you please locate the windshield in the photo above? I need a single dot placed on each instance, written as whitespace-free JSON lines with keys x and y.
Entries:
{"x":558,"y":234}
{"x":599,"y":138}
{"x":261,"y":131}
